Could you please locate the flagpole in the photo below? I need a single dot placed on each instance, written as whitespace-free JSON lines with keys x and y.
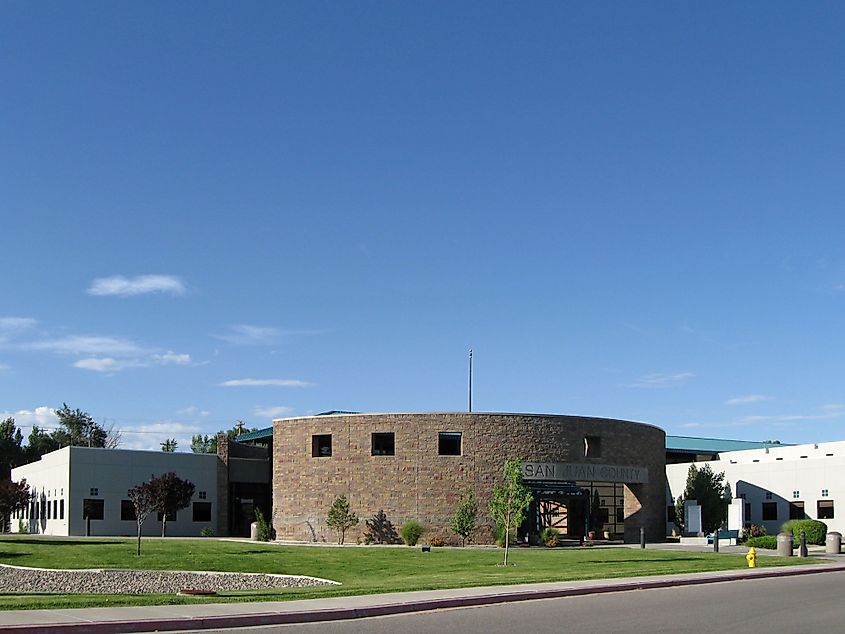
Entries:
{"x":470,"y":379}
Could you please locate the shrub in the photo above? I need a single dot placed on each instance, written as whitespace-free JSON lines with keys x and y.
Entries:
{"x":768,"y":542}
{"x":207,"y":532}
{"x":550,"y":536}
{"x":815,"y":530}
{"x":265,"y":532}
{"x":23,"y":527}
{"x":435,"y":540}
{"x":411,"y":532}
{"x":752,"y":530}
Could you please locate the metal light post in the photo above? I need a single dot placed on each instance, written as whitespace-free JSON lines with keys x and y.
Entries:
{"x":470,"y":380}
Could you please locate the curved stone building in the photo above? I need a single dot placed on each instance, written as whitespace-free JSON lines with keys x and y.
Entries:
{"x":585,"y":473}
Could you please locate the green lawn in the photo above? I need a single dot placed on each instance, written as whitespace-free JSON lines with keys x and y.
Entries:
{"x":360,"y":570}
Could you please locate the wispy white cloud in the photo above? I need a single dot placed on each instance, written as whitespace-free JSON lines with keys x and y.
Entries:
{"x":140,"y":285}
{"x":265,"y":383}
{"x":106,"y":364}
{"x":748,"y":399}
{"x":85,"y":344}
{"x":777,"y":420}
{"x":272,"y":412}
{"x":248,"y":335}
{"x":193,"y":410}
{"x":657,"y":381}
{"x":42,"y":416}
{"x":16,"y":324}
{"x":111,"y":365}
{"x":171,"y":358}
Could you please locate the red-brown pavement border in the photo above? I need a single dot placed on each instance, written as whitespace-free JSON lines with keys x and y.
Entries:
{"x":498,"y":594}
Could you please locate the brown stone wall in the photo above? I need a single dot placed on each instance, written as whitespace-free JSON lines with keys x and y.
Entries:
{"x":417,"y":483}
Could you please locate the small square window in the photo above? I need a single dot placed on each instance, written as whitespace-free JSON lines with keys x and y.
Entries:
{"x":768,"y":495}
{"x":94,"y":491}
{"x":825,"y":493}
{"x":202,"y":512}
{"x":824,"y":509}
{"x":796,"y":495}
{"x":449,"y":443}
{"x":321,"y":445}
{"x":383,"y":444}
{"x":202,"y":495}
{"x":92,"y":509}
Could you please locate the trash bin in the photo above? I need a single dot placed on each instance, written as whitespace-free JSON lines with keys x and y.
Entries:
{"x":785,"y":544}
{"x":253,"y":531}
{"x":833,"y":545}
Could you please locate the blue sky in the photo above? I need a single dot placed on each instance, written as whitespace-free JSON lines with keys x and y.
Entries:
{"x":220,"y":211}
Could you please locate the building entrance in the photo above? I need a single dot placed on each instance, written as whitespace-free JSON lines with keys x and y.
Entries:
{"x":561,"y":505}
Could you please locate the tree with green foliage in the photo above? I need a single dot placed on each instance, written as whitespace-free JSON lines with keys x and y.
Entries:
{"x":203,"y":444}
{"x":39,"y":443}
{"x":708,"y":490}
{"x":208,"y":444}
{"x":169,"y":445}
{"x":510,"y":501}
{"x":79,"y":429}
{"x":340,"y":518}
{"x":11,"y":448}
{"x":14,"y":496}
{"x":170,"y":494}
{"x":142,"y":500}
{"x":466,"y":516}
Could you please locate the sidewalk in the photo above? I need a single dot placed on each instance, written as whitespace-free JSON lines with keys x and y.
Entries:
{"x":222,"y":615}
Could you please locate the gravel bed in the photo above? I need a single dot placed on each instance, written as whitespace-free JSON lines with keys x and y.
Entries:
{"x":22,"y":580}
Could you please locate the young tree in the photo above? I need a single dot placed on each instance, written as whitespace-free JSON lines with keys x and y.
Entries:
{"x":510,"y":501}
{"x":708,"y":490}
{"x":141,"y":497}
{"x":340,"y":518}
{"x":169,"y":445}
{"x":170,"y":493}
{"x":466,"y":516}
{"x":13,"y":497}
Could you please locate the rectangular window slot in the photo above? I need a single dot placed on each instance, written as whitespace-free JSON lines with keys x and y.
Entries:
{"x":383,"y":444}
{"x":449,"y":443}
{"x":824,"y":509}
{"x":92,"y":509}
{"x":202,"y":512}
{"x":592,"y":446}
{"x":796,"y":511}
{"x":770,"y":511}
{"x":127,"y":511}
{"x":778,"y":458}
{"x":321,"y":446}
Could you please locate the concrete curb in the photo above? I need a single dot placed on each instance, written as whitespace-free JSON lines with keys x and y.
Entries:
{"x":337,"y":614}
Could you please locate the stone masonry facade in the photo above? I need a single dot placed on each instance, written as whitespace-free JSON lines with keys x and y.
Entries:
{"x":418,"y":483}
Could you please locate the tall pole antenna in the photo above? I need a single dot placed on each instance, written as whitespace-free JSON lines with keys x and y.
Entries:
{"x":470,"y":379}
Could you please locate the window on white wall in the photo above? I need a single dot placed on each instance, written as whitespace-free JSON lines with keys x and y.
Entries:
{"x":824,"y":509}
{"x":825,"y":493}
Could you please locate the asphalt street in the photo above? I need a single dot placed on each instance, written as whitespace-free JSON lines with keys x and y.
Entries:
{"x":812,"y":603}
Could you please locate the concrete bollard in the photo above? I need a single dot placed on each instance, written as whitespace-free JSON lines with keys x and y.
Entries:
{"x":833,"y":543}
{"x":785,"y":544}
{"x":642,"y":537}
{"x":253,"y":531}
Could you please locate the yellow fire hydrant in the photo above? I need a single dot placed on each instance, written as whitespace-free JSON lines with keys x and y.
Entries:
{"x":751,"y":558}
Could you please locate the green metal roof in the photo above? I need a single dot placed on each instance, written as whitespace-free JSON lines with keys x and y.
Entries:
{"x":689,"y":444}
{"x":258,"y":434}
